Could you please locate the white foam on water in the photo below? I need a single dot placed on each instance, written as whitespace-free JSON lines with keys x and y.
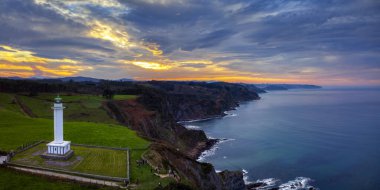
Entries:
{"x":192,"y":127}
{"x":269,"y":183}
{"x":213,"y":149}
{"x":228,"y":114}
{"x":196,"y":120}
{"x":231,"y":115}
{"x":207,"y":153}
{"x":245,"y":176}
{"x":225,"y":140}
{"x":300,"y":183}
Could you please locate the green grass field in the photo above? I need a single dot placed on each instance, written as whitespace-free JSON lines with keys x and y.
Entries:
{"x":16,"y":129}
{"x":99,"y":161}
{"x":78,"y":107}
{"x":124,"y":97}
{"x":11,"y":179}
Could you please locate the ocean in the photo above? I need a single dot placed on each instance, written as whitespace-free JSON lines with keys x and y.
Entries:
{"x":324,"y":138}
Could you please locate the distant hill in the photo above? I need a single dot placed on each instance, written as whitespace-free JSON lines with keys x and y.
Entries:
{"x":125,"y":80}
{"x":271,"y":87}
{"x":79,"y":79}
{"x":254,"y":88}
{"x":63,"y":79}
{"x":31,"y":78}
{"x":67,"y":79}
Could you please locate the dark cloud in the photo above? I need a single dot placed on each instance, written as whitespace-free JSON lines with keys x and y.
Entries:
{"x":194,"y":65}
{"x":211,"y":39}
{"x":23,"y":20}
{"x":321,"y":38}
{"x":182,"y":14}
{"x":74,"y":42}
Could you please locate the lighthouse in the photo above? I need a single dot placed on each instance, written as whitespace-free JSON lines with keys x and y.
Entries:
{"x":58,"y":148}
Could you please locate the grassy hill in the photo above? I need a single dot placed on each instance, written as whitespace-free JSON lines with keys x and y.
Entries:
{"x":18,"y":128}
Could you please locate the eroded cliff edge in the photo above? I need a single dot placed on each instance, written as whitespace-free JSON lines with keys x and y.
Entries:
{"x":155,"y":115}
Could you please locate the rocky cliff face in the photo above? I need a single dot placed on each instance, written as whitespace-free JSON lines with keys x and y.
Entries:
{"x":189,"y":101}
{"x":202,"y":175}
{"x":232,"y":180}
{"x":155,"y":115}
{"x":162,"y":104}
{"x":158,"y":127}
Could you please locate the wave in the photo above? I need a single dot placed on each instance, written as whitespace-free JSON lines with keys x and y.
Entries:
{"x":228,"y":114}
{"x":299,"y":183}
{"x":196,"y":120}
{"x":267,"y":183}
{"x":192,"y":127}
{"x":245,"y":176}
{"x":213,"y":149}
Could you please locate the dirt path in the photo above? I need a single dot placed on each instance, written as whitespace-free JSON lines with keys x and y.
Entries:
{"x":25,"y":109}
{"x":70,"y":177}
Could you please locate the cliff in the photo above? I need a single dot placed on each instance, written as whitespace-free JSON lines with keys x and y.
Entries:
{"x":202,"y":175}
{"x":195,"y":100}
{"x":155,"y":115}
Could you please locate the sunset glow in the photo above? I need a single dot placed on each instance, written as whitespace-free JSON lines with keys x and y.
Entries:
{"x":171,"y":40}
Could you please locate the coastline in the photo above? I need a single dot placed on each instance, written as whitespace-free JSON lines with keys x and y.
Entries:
{"x":202,"y":148}
{"x":298,"y":182}
{"x":202,"y":119}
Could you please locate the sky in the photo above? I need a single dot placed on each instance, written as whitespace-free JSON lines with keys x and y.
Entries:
{"x":323,"y":42}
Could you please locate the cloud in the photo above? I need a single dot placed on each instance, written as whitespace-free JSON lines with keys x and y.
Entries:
{"x":14,"y":55}
{"x":147,"y":64}
{"x":302,"y":41}
{"x":28,"y":64}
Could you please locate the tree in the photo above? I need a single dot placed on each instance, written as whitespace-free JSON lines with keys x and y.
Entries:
{"x":108,"y":93}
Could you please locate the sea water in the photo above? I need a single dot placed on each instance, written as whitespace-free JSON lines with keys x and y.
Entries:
{"x":325,"y":138}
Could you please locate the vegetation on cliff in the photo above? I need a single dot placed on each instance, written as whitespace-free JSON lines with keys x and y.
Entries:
{"x":152,"y":108}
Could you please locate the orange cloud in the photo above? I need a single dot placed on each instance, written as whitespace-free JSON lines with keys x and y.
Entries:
{"x":4,"y":66}
{"x":235,"y":79}
{"x":119,"y":38}
{"x":14,"y":55}
{"x":100,"y":30}
{"x":23,"y":74}
{"x":17,"y":62}
{"x":147,"y":64}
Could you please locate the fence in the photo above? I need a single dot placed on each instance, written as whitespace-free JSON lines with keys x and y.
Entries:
{"x":67,"y":177}
{"x":26,"y":146}
{"x":102,"y":177}
{"x":94,"y":176}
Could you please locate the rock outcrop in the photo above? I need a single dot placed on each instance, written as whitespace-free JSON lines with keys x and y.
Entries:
{"x":232,"y":180}
{"x":202,"y":175}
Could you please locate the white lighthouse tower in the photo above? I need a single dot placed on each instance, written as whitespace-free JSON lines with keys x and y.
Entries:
{"x":58,"y":148}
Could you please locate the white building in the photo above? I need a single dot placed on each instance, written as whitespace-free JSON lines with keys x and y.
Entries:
{"x":58,"y":147}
